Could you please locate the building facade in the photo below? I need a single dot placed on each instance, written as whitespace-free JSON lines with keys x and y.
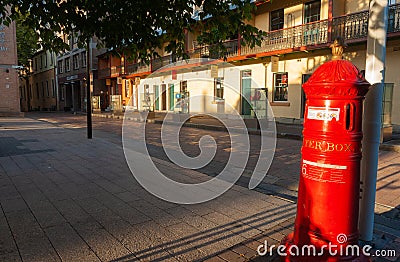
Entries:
{"x":298,"y":36}
{"x":9,"y":91}
{"x":72,"y":75}
{"x":38,"y":90}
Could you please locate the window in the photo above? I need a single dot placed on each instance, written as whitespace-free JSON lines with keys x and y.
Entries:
{"x":51,"y":59}
{"x":47,"y":88}
{"x":128,"y":89}
{"x":31,"y":91}
{"x":277,"y":18}
{"x":280,"y":92}
{"x":75,"y":60}
{"x":218,"y":89}
{"x":37,"y":90}
{"x":45,"y":60}
{"x":312,"y":11}
{"x":36,"y":63}
{"x":53,"y":88}
{"x":41,"y":61}
{"x":42,"y":90}
{"x":183,"y":86}
{"x":62,"y":93}
{"x":67,"y":65}
{"x":83,"y":58}
{"x":60,"y":67}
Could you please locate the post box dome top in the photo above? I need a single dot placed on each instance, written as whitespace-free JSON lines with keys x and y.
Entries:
{"x":337,"y":77}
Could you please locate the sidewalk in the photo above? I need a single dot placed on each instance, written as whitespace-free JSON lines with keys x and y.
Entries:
{"x":284,"y":130}
{"x":66,"y":198}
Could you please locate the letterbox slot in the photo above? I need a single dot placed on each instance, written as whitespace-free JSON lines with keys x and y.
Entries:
{"x":349,"y":113}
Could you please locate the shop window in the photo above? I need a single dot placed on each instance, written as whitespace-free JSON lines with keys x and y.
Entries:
{"x":183,"y":87}
{"x":280,"y":92}
{"x":218,"y":89}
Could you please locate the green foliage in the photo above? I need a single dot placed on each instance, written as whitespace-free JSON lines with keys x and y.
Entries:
{"x":139,"y":26}
{"x":27,"y":44}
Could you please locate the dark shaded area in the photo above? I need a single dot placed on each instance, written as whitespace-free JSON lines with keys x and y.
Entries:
{"x":9,"y":146}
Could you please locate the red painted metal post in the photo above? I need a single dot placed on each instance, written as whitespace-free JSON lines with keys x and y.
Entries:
{"x":328,"y":195}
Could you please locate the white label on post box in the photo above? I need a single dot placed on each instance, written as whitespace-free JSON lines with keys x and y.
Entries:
{"x":323,"y":113}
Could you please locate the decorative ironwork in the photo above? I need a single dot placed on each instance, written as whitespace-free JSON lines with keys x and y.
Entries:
{"x":351,"y":26}
{"x":394,"y":18}
{"x":137,"y":68}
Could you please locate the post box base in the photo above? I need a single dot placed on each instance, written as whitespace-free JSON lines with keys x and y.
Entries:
{"x":291,"y":249}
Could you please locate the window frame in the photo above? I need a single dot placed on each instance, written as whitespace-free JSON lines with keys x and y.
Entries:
{"x":280,"y":98}
{"x":75,"y":61}
{"x":308,"y":8}
{"x":280,"y":20}
{"x":219,"y":96}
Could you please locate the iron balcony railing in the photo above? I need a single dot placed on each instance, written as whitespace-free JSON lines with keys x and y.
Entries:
{"x":303,"y":35}
{"x":137,"y":68}
{"x":351,"y":27}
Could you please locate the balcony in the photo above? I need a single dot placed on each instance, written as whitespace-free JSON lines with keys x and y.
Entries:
{"x":137,"y":68}
{"x":352,"y":28}
{"x":162,"y":61}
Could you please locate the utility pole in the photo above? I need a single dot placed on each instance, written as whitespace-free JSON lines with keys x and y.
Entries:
{"x":88,"y":91}
{"x":375,"y":74}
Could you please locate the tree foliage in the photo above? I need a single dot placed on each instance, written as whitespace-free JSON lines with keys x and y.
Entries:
{"x":141,"y":26}
{"x":27,"y":44}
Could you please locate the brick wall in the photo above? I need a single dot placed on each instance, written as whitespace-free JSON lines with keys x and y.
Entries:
{"x":9,"y":89}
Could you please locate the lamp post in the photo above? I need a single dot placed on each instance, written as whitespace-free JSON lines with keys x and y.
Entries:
{"x":88,"y":93}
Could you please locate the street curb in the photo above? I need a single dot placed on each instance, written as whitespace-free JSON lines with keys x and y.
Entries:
{"x":388,"y":147}
{"x":250,"y":131}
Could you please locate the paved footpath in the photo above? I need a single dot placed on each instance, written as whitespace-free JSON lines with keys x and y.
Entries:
{"x":66,"y":198}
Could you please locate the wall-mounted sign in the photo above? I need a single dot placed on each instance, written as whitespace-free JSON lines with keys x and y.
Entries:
{"x":174,"y":75}
{"x":274,"y":64}
{"x":73,"y":77}
{"x":214,"y":71}
{"x":322,"y":113}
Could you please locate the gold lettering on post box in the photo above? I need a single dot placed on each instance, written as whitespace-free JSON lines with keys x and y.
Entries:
{"x":325,"y":146}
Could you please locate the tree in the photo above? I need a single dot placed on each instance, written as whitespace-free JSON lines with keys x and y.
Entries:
{"x":27,"y":44}
{"x":140,"y":26}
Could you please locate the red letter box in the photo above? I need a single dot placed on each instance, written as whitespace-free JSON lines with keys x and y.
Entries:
{"x":328,"y":195}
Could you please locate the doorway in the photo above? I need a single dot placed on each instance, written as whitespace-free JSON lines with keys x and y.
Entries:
{"x":164,"y":97}
{"x":304,"y":79}
{"x":245,"y":77}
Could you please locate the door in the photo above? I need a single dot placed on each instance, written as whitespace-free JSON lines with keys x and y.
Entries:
{"x":246,"y":92}
{"x":304,"y":79}
{"x":171,"y":97}
{"x":157,"y":98}
{"x":163,"y":97}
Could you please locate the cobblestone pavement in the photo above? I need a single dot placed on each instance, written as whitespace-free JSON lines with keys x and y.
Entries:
{"x":66,"y":198}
